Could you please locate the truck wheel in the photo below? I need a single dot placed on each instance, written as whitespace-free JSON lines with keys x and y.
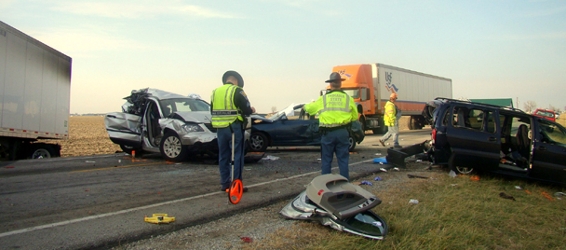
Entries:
{"x":171,"y":147}
{"x":352,"y":143}
{"x":381,"y":130}
{"x":415,"y":123}
{"x":258,"y":142}
{"x":41,"y":151}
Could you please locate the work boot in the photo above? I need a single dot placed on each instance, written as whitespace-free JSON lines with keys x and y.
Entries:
{"x":382,"y":142}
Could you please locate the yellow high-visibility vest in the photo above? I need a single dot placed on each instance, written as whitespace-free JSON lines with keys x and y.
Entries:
{"x":390,"y":113}
{"x":224,"y":111}
{"x":335,"y":109}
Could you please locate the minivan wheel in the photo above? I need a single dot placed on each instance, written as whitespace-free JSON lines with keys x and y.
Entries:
{"x":171,"y":147}
{"x":458,"y":169}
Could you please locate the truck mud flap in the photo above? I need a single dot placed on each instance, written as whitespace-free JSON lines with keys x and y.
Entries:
{"x":397,"y":156}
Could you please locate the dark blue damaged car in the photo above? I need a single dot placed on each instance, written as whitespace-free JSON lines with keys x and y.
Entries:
{"x":292,"y":127}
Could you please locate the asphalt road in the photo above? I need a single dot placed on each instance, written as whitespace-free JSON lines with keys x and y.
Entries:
{"x":101,"y":201}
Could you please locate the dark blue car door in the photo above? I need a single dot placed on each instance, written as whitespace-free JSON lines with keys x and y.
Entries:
{"x":549,"y":152}
{"x":293,"y":132}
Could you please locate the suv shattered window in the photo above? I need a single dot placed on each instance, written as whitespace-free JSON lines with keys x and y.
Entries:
{"x":476,"y":119}
{"x":552,"y":133}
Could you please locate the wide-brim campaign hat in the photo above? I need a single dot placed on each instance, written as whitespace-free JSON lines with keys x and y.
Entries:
{"x":335,"y":77}
{"x":234,"y":74}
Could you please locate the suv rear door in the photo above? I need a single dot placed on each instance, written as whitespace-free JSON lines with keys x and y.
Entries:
{"x":474,"y":136}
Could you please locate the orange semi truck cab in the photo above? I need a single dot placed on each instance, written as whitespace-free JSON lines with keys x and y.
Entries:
{"x":371,"y":84}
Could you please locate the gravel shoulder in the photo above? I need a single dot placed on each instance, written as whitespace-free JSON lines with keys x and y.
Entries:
{"x":259,"y":224}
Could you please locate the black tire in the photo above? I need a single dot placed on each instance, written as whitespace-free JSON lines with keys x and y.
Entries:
{"x":459,"y":169}
{"x":258,"y":142}
{"x":363,"y":123}
{"x":412,"y":123}
{"x":415,"y":123}
{"x":42,"y":151}
{"x":171,"y":147}
{"x":352,"y":143}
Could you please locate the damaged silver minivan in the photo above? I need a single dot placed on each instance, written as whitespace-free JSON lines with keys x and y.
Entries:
{"x":158,"y":121}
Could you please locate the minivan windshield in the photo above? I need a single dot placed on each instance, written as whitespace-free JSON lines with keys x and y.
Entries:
{"x":169,"y":106}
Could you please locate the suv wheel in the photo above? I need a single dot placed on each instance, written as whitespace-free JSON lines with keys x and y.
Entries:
{"x":459,"y":169}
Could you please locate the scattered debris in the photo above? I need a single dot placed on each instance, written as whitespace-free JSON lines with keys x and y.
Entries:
{"x":271,"y":158}
{"x":413,"y":201}
{"x":474,"y":178}
{"x":417,"y":176}
{"x":396,"y":169}
{"x":453,"y":185}
{"x":518,"y":187}
{"x":527,"y":191}
{"x":90,"y":161}
{"x":377,"y":153}
{"x":380,"y":160}
{"x":452,"y":174}
{"x":377,"y":178}
{"x":557,"y":194}
{"x":246,"y":239}
{"x":366,"y":183}
{"x":383,"y":170}
{"x":547,"y":196}
{"x":506,"y":196}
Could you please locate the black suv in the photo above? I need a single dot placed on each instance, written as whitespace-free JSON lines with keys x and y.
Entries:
{"x":469,"y":137}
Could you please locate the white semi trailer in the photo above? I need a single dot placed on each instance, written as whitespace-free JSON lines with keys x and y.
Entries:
{"x":35,"y":85}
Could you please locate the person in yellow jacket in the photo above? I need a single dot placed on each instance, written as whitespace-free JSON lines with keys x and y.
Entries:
{"x":336,"y":111}
{"x":391,"y":121}
{"x":229,"y":107}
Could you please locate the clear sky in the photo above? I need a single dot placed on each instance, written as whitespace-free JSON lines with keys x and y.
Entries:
{"x":286,"y":49}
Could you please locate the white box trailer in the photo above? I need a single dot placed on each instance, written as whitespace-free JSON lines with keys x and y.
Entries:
{"x":371,"y":84}
{"x":35,"y":85}
{"x":413,"y":88}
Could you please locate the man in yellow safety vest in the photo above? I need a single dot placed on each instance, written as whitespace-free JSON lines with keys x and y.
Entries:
{"x":336,"y":111}
{"x":229,"y":107}
{"x":391,"y":121}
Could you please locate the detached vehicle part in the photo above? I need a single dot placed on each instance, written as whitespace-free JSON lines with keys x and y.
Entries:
{"x":332,"y":201}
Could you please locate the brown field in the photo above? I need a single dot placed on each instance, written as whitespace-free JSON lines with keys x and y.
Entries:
{"x":87,"y":136}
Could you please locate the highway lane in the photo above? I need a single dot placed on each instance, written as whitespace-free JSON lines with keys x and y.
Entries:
{"x":86,"y":202}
